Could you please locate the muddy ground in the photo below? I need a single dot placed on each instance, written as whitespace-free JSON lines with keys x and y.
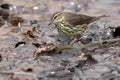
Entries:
{"x":28,"y":50}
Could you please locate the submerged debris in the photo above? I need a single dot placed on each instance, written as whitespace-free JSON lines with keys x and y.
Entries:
{"x":85,"y":59}
{"x":4,"y":14}
{"x":37,"y":29}
{"x":30,"y":35}
{"x":14,"y":78}
{"x":2,"y":22}
{"x":28,"y":69}
{"x":6,"y":6}
{"x":20,"y":75}
{"x":86,"y":40}
{"x":33,"y":22}
{"x":118,"y":69}
{"x":116,"y":32}
{"x":0,"y":57}
{"x":36,"y":45}
{"x":14,"y":21}
{"x":19,"y":44}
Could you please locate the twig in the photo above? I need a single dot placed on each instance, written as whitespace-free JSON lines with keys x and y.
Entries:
{"x":66,"y":47}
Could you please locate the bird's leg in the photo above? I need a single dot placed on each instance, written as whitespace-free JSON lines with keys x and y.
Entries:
{"x":71,"y":42}
{"x":74,"y":40}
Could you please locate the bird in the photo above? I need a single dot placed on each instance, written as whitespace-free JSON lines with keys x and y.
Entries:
{"x":72,"y":24}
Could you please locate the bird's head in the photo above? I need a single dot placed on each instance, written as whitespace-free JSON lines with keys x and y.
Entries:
{"x":56,"y":18}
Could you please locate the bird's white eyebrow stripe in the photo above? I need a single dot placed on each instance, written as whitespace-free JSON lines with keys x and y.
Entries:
{"x":56,"y":14}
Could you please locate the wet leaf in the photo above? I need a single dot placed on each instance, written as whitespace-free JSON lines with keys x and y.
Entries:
{"x":2,"y":22}
{"x":6,"y":6}
{"x":36,"y":45}
{"x":4,"y":14}
{"x":37,"y":29}
{"x":19,"y":44}
{"x":32,"y":22}
{"x":14,"y":21}
{"x":30,"y":34}
{"x":85,"y":59}
{"x":15,"y":78}
{"x":86,"y":40}
{"x":0,"y":57}
{"x":50,"y":49}
{"x":27,"y":69}
{"x":116,"y":32}
{"x":118,"y":69}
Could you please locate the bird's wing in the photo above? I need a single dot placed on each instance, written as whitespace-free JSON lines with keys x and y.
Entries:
{"x":78,"y":19}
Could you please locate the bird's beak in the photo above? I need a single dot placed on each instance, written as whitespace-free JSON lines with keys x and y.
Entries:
{"x":50,"y":23}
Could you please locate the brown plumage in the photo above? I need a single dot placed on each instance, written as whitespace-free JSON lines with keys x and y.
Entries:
{"x":72,"y":24}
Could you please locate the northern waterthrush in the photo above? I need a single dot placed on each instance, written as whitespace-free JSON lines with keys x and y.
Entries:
{"x":71,"y":24}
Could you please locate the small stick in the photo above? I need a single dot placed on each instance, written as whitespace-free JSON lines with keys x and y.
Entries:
{"x":65,"y":47}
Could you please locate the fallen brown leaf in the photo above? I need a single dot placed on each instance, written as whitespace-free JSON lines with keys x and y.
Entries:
{"x":50,"y":49}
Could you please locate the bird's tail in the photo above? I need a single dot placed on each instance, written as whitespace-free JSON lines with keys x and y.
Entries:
{"x":99,"y":17}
